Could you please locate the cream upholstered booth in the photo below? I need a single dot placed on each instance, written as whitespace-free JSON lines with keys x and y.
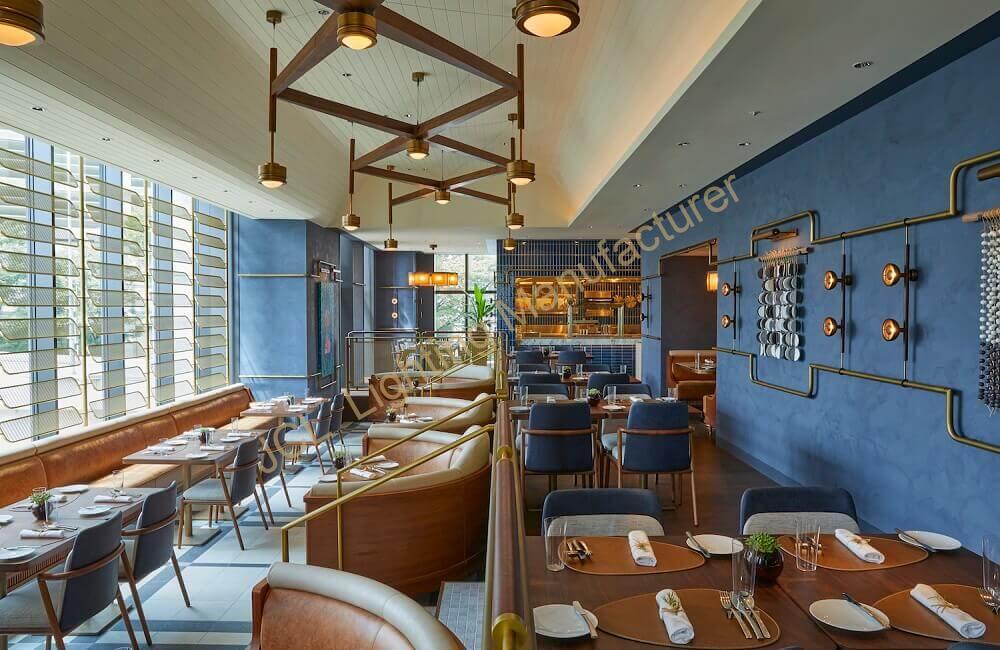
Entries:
{"x":416,"y":530}
{"x":439,"y":407}
{"x":300,"y":607}
{"x":463,"y":382}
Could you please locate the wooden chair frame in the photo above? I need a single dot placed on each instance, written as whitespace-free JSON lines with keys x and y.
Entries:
{"x":315,"y":442}
{"x":594,"y":472}
{"x":227,"y":502}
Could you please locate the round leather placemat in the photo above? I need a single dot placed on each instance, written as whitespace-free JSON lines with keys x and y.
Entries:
{"x":908,"y":615}
{"x":636,"y":619}
{"x":610,"y":556}
{"x":838,"y":557}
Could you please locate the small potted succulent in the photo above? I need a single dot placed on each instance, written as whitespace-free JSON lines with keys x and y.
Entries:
{"x":339,"y":459}
{"x":594,"y":396}
{"x":567,"y":372}
{"x":763,"y":549}
{"x":390,"y":414}
{"x":41,"y":506}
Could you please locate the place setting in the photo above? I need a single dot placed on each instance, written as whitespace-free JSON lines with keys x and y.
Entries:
{"x":845,"y":550}
{"x":635,"y":554}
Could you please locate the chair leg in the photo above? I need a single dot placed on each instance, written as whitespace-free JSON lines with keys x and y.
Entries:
{"x":135,"y":599}
{"x":694,"y":500}
{"x":180,"y":579}
{"x":319,"y":457}
{"x":267,"y":501}
{"x":329,"y":446}
{"x":48,"y":643}
{"x":180,"y":524}
{"x":125,"y":619}
{"x":260,"y":509}
{"x":236,"y":526}
{"x":284,"y":486}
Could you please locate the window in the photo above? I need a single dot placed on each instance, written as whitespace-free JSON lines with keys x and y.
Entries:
{"x":113,"y":291}
{"x":453,"y":306}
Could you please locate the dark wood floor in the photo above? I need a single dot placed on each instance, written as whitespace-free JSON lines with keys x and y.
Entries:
{"x":719,"y":477}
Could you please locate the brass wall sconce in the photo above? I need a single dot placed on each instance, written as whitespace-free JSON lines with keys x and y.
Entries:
{"x":729,"y":288}
{"x":892,"y":274}
{"x":831,"y":280}
{"x":986,"y":173}
{"x":891,"y":329}
{"x":711,"y":281}
{"x":774,"y":234}
{"x":726,"y":321}
{"x":830,"y":326}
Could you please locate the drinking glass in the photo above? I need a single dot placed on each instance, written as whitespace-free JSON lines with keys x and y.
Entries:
{"x":554,"y":529}
{"x":234,"y":425}
{"x":579,"y":369}
{"x":806,"y":544}
{"x":623,"y":369}
{"x":672,"y":394}
{"x":118,"y":481}
{"x":991,"y":566}
{"x":612,"y":396}
{"x":523,"y":394}
{"x":744,"y":571}
{"x":697,"y":360}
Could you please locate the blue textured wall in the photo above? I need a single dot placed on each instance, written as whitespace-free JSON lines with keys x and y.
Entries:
{"x":885,"y":444}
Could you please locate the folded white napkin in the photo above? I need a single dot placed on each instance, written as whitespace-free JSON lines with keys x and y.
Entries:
{"x":636,"y":398}
{"x":260,"y":405}
{"x":679,"y":627}
{"x":962,"y":623}
{"x":213,"y":447}
{"x":57,"y":498}
{"x":642,"y":550}
{"x":107,"y":498}
{"x":190,"y":434}
{"x":5,"y":519}
{"x":859,"y":546}
{"x":53,"y":533}
{"x":312,"y":400}
{"x":362,"y":473}
{"x":160,"y":448}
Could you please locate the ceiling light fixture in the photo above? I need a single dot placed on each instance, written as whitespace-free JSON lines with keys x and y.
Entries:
{"x":546,"y":18}
{"x":38,"y":108}
{"x":861,"y":65}
{"x":744,"y":144}
{"x":390,"y":243}
{"x":272,"y":175}
{"x":684,"y":144}
{"x":356,"y":30}
{"x":515,"y":220}
{"x":519,"y":170}
{"x":442,"y":196}
{"x":22,"y":22}
{"x":105,"y":139}
{"x":637,"y":185}
{"x":419,"y":279}
{"x":156,"y":160}
{"x":510,"y":243}
{"x":350,"y":221}
{"x":417,"y":148}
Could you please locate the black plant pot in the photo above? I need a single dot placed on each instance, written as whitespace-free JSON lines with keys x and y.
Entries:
{"x":769,"y":566}
{"x":41,"y":511}
{"x":594,"y":401}
{"x":339,"y":463}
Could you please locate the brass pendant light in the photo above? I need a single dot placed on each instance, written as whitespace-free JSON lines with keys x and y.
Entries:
{"x":350,"y":221}
{"x":390,"y":244}
{"x":510,"y":243}
{"x":22,"y":22}
{"x":357,"y":30}
{"x":417,"y":148}
{"x":515,"y":220}
{"x":546,"y":18}
{"x":519,"y":170}
{"x":272,"y":175}
{"x":442,"y":196}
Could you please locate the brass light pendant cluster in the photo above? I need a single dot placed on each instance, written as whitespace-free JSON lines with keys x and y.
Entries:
{"x":22,"y":22}
{"x":417,"y":148}
{"x":546,"y":18}
{"x":357,"y":30}
{"x":390,"y":243}
{"x":519,"y":170}
{"x":272,"y":175}
{"x":350,"y":221}
{"x":515,"y":220}
{"x":442,"y":196}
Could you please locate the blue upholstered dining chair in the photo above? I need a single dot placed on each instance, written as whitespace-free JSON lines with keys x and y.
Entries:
{"x":315,"y":432}
{"x":539,"y":392}
{"x":571,"y":357}
{"x":559,"y":439}
{"x":66,"y":596}
{"x":599,"y":380}
{"x":533,"y":367}
{"x":596,"y":367}
{"x":775,"y":510}
{"x":529,"y":377}
{"x":530,"y":356}
{"x":629,"y":391}
{"x":605,"y":512}
{"x":656,"y":440}
{"x":272,"y":463}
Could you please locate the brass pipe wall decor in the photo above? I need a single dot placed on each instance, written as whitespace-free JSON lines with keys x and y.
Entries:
{"x":986,"y":173}
{"x":949,"y":394}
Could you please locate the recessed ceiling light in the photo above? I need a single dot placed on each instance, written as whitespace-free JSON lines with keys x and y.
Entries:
{"x":105,"y":139}
{"x":407,"y":115}
{"x":323,"y":12}
{"x":683,"y":144}
{"x":863,"y":64}
{"x":754,"y":113}
{"x":38,"y":108}
{"x":682,"y":186}
{"x":744,"y":144}
{"x":156,"y":160}
{"x":225,"y":191}
{"x":194,"y":178}
{"x":637,"y":185}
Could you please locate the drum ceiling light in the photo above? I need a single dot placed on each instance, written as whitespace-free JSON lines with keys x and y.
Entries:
{"x":546,"y":18}
{"x":390,"y":244}
{"x":356,"y":30}
{"x":21,"y":22}
{"x":272,"y":175}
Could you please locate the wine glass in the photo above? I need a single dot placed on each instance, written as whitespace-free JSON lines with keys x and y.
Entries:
{"x":118,"y":483}
{"x":991,"y":566}
{"x":523,"y":394}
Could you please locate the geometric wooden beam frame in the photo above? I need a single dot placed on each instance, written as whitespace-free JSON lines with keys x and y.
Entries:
{"x":404,"y":31}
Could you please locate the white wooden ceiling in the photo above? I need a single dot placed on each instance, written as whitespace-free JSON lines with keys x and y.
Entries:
{"x":183,"y":82}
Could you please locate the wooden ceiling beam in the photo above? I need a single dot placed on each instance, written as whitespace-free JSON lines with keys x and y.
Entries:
{"x":468,"y":149}
{"x":492,"y":198}
{"x":464,"y":112}
{"x":471,"y":177}
{"x":349,"y":113}
{"x":429,"y":183}
{"x":412,"y":196}
{"x":391,"y":147}
{"x":406,"y":32}
{"x":322,"y":44}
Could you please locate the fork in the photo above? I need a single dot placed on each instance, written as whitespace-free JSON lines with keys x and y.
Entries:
{"x":575,"y":548}
{"x":727,"y":604}
{"x":989,"y":600}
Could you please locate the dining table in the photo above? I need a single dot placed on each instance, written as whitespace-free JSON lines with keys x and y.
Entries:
{"x":598,"y":412}
{"x":181,"y":456}
{"x":787,"y":600}
{"x":299,"y":410}
{"x":707,"y":369}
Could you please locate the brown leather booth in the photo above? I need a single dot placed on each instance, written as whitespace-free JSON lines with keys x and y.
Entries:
{"x":90,"y":454}
{"x":708,"y":408}
{"x":691,"y":386}
{"x":466,"y":382}
{"x":416,"y":530}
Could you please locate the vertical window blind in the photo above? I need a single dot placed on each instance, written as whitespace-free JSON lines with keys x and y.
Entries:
{"x":113,"y":291}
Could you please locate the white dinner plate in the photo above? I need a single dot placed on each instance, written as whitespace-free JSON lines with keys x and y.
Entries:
{"x":936,"y":541}
{"x":716,"y":544}
{"x":232,"y":439}
{"x":176,"y":443}
{"x":561,"y":621}
{"x":841,"y":614}
{"x":613,"y":407}
{"x":387,"y":464}
{"x":71,"y":489}
{"x":197,"y":454}
{"x":93,"y":511}
{"x":15,"y":554}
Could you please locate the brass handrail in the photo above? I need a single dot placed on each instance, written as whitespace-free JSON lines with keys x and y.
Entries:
{"x":464,"y":364}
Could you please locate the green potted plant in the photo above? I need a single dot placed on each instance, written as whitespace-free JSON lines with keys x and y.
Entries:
{"x":481,"y":309}
{"x":41,"y":506}
{"x":567,"y":372}
{"x":594,"y":396}
{"x":763,"y":549}
{"x":390,"y":414}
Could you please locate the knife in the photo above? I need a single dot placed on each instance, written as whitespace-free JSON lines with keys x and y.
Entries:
{"x":864,"y":609}
{"x":699,"y":547}
{"x":913,"y":540}
{"x":741,"y":610}
{"x":590,"y":626}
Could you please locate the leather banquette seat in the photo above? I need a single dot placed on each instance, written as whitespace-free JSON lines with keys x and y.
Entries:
{"x":465,"y":382}
{"x":439,"y":407}
{"x":691,"y":386}
{"x":416,"y":530}
{"x":299,"y":607}
{"x":90,"y":454}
